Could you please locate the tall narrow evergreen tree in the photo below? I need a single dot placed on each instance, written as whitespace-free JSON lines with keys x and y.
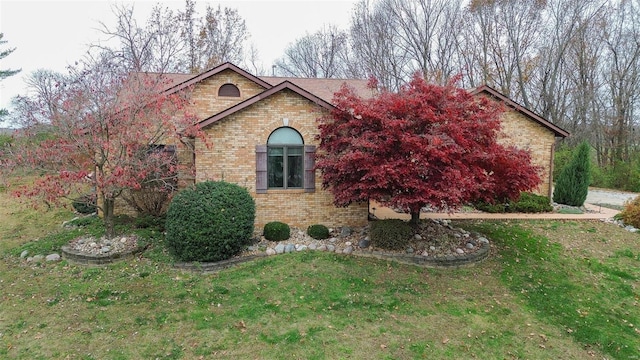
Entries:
{"x":7,"y":72}
{"x":572,"y":184}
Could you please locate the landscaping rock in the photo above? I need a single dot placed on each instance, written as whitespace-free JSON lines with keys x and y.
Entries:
{"x":459,"y":251}
{"x":346,"y":231}
{"x":322,"y":247}
{"x":331,"y":247}
{"x":289,"y":248}
{"x":301,"y":247}
{"x":279,"y":249}
{"x":470,"y":246}
{"x":37,"y":258}
{"x":418,"y":237}
{"x":364,"y":243}
{"x":24,"y":254}
{"x":483,"y":240}
{"x":53,"y":257}
{"x":270,"y":252}
{"x":432,"y":248}
{"x":425,"y":253}
{"x":409,"y":250}
{"x":348,"y":250}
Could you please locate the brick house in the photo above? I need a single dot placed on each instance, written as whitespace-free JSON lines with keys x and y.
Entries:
{"x":263,"y":134}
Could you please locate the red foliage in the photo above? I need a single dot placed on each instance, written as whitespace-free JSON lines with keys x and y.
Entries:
{"x":104,"y":129}
{"x":425,"y":145}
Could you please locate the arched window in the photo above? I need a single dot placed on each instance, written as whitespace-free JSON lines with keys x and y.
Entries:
{"x":285,"y":159}
{"x":229,"y":90}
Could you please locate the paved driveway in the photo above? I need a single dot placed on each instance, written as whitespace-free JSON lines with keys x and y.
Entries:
{"x":611,"y":197}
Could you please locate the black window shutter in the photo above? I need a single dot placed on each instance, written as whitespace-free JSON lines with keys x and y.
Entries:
{"x":309,"y":168}
{"x":261,"y":169}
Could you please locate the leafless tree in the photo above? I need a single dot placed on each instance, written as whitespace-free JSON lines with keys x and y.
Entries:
{"x":317,"y":55}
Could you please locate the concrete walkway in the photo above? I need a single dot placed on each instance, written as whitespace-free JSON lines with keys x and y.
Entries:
{"x":600,"y":213}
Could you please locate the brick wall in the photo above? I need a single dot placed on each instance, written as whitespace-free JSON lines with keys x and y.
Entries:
{"x":520,"y":131}
{"x":205,"y":94}
{"x":232,"y":158}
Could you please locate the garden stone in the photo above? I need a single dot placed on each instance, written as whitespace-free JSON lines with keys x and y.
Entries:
{"x":425,"y":253}
{"x":364,"y":243}
{"x":313,"y":246}
{"x":123,"y":240}
{"x":38,"y":258}
{"x":81,"y":241}
{"x":470,"y":246}
{"x":107,"y":242}
{"x":270,"y":251}
{"x":252,"y":248}
{"x":409,"y":250}
{"x":301,"y":247}
{"x":630,"y":228}
{"x":483,"y":240}
{"x":331,"y":247}
{"x":458,"y":236}
{"x":432,"y":248}
{"x":348,"y":243}
{"x":459,"y":251}
{"x":53,"y":257}
{"x":418,"y":237}
{"x":333,"y":240}
{"x":279,"y":249}
{"x":106,"y":249}
{"x":322,"y":247}
{"x":289,"y":248}
{"x":24,"y":254}
{"x":346,"y":231}
{"x":347,"y":250}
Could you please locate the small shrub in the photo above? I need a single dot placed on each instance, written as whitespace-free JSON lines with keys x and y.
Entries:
{"x":318,"y":232}
{"x":391,"y":234}
{"x":211,"y":221}
{"x":531,"y":203}
{"x":85,"y":204}
{"x":276,"y":231}
{"x":527,"y":203}
{"x":150,"y":221}
{"x":630,"y":215}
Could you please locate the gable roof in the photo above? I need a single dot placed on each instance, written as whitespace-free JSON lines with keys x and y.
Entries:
{"x":285,"y":85}
{"x":325,"y":88}
{"x":185,"y":80}
{"x":486,"y":89}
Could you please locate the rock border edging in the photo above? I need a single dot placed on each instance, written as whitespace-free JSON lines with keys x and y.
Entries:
{"x":87,"y":259}
{"x":446,"y":262}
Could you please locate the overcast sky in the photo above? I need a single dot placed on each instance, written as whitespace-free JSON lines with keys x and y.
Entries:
{"x":53,"y":34}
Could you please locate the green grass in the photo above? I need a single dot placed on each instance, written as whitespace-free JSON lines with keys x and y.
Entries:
{"x":549,"y":290}
{"x":595,"y":301}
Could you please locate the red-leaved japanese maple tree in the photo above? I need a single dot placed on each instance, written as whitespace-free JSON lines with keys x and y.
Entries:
{"x":108,"y":130}
{"x":426,"y":145}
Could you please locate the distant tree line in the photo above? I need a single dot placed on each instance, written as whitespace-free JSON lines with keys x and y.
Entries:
{"x":575,"y":62}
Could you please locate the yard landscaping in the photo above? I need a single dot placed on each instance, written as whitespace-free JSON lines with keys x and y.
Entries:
{"x":550,"y":289}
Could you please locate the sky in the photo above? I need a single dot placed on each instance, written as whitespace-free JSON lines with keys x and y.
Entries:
{"x":54,"y":34}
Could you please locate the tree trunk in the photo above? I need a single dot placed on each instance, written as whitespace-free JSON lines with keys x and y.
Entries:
{"x":415,"y":218}
{"x":108,"y":207}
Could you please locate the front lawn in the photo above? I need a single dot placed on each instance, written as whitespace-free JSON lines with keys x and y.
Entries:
{"x":564,"y":290}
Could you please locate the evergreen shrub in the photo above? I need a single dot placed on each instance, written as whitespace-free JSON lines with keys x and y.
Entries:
{"x":390,"y":234}
{"x":85,"y":204}
{"x":318,"y":232}
{"x":527,"y":203}
{"x":276,"y":231}
{"x":211,"y":221}
{"x":572,"y":185}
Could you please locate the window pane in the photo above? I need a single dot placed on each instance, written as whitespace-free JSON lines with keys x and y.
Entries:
{"x":275,"y":167}
{"x":285,"y":135}
{"x":295,"y":170}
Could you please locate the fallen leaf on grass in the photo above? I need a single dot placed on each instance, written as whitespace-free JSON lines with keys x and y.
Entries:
{"x":445,"y":340}
{"x":383,"y":346}
{"x":241,"y":326}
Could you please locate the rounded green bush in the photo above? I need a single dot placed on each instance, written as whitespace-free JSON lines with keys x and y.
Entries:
{"x":390,"y":234}
{"x":276,"y":231}
{"x":212,"y":221}
{"x":85,"y":204}
{"x":318,"y":232}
